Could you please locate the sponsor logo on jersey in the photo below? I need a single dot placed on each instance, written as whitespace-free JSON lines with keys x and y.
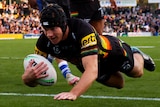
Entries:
{"x":89,"y":40}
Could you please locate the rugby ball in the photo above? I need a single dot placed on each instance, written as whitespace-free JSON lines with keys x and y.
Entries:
{"x":52,"y":75}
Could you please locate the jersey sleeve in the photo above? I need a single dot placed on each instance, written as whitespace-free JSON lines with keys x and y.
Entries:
{"x":41,"y":46}
{"x":86,"y":36}
{"x":89,"y":45}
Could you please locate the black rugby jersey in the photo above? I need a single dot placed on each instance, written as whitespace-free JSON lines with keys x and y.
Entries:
{"x":80,"y":42}
{"x":83,"y":41}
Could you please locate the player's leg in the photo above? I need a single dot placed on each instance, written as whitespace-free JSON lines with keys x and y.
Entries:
{"x":133,"y":66}
{"x":116,"y":80}
{"x":137,"y":70}
{"x":141,"y":61}
{"x":148,"y":61}
{"x":66,"y":72}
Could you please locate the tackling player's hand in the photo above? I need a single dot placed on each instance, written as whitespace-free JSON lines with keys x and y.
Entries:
{"x":65,"y":96}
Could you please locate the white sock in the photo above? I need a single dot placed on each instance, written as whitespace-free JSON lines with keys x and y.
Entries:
{"x":63,"y":66}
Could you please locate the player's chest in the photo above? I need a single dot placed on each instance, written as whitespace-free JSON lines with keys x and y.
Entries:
{"x":65,"y":50}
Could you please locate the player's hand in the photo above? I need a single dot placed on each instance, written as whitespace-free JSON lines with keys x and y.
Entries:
{"x":32,"y":73}
{"x":65,"y":96}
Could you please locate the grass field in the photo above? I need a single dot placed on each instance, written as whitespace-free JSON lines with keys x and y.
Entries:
{"x":140,"y":92}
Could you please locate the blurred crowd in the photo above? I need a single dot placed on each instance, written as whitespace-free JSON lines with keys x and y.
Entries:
{"x":19,"y":18}
{"x":134,"y":19}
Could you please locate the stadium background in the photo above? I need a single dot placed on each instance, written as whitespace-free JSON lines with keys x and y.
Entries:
{"x":137,"y":19}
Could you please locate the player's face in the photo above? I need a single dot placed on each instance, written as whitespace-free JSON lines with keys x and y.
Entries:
{"x":54,"y":34}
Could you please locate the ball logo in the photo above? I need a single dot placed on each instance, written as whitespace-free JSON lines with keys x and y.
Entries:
{"x":89,"y":40}
{"x":51,"y":79}
{"x":34,"y":63}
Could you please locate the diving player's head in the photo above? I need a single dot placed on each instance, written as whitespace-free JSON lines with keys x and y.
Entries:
{"x":51,"y":18}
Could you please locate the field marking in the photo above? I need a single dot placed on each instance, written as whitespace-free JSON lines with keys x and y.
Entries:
{"x":6,"y":57}
{"x":85,"y":96}
{"x":145,"y":46}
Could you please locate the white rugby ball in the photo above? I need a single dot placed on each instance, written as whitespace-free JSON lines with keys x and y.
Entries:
{"x":52,"y":75}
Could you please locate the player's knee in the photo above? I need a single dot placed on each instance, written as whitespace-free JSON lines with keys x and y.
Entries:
{"x":115,"y":84}
{"x":120,"y":85}
{"x":136,"y":73}
{"x":139,"y":74}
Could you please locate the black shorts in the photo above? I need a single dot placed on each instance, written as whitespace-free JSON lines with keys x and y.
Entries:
{"x":120,"y":58}
{"x":87,"y":10}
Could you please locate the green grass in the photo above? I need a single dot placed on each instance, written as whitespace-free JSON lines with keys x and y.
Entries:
{"x":12,"y":53}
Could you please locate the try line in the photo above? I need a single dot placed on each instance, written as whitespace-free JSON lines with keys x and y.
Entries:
{"x":85,"y":96}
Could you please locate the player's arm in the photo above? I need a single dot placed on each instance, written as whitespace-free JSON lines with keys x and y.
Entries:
{"x":90,"y":74}
{"x":90,"y":64}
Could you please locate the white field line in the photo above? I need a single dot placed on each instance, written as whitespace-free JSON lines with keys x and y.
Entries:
{"x":145,"y":46}
{"x":85,"y":96}
{"x":6,"y":57}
